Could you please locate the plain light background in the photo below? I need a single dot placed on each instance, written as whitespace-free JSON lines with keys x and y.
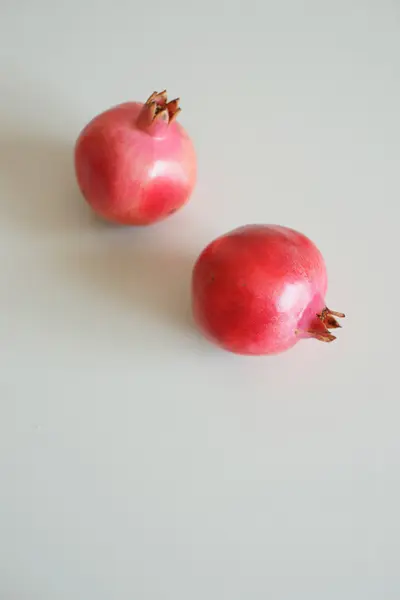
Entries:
{"x":136,"y":460}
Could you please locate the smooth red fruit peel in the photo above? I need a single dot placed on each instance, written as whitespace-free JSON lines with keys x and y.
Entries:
{"x":134,"y":163}
{"x":259,"y":289}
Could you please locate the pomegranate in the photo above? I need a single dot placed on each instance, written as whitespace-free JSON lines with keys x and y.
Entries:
{"x":259,"y":289}
{"x":135,"y":164}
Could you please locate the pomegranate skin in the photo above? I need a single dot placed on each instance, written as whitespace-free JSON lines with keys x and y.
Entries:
{"x":259,"y":289}
{"x":134,"y":163}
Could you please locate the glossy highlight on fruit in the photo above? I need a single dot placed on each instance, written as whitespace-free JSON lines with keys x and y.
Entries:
{"x":259,"y":289}
{"x":134,"y":163}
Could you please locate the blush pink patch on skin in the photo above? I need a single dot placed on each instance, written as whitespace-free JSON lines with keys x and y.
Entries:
{"x":160,"y":198}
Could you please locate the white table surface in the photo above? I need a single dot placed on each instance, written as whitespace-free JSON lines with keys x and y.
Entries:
{"x":137,"y":461}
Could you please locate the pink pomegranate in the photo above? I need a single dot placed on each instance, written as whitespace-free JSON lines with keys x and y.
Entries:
{"x":259,"y":289}
{"x":134,"y":163}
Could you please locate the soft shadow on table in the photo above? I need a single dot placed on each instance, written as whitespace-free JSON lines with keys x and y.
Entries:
{"x":133,"y":279}
{"x":39,"y":192}
{"x":39,"y":197}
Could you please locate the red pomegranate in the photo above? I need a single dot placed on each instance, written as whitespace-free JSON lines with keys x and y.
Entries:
{"x":259,"y":289}
{"x":135,"y":164}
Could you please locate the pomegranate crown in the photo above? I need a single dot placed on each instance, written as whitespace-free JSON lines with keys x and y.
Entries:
{"x":327,"y":322}
{"x":162,"y":110}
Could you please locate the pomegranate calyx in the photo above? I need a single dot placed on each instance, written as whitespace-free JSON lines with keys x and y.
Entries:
{"x":161,"y":109}
{"x":331,"y":322}
{"x":336,"y":314}
{"x":161,"y":114}
{"x":326,"y":321}
{"x":327,"y":317}
{"x":157,"y":97}
{"x":173,"y":109}
{"x":321,"y":335}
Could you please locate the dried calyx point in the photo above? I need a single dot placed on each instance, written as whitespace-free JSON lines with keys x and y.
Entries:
{"x":161,"y":109}
{"x":327,"y":321}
